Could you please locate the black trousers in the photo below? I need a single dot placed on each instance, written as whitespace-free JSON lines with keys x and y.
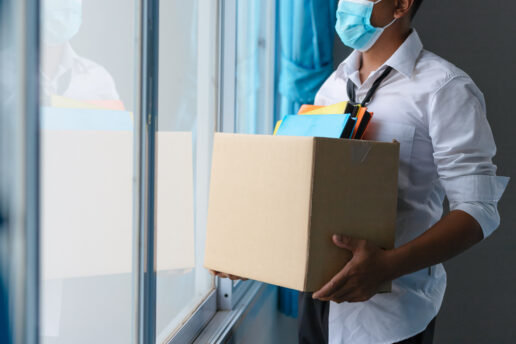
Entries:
{"x":312,"y":323}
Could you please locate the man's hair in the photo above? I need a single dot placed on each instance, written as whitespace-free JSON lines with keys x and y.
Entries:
{"x":415,"y":7}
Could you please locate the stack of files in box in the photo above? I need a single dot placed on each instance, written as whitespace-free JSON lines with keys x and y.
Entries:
{"x":332,"y":126}
{"x":340,"y":120}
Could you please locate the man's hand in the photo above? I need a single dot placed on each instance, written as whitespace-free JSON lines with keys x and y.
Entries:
{"x":223,"y":275}
{"x":361,"y":277}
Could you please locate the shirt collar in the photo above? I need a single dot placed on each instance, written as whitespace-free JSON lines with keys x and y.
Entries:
{"x":70,"y":61}
{"x":403,"y":60}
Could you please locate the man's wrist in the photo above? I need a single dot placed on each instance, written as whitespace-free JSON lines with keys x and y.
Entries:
{"x":394,"y":263}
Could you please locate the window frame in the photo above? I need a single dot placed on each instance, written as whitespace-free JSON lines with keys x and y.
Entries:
{"x":22,"y":268}
{"x":144,"y":231}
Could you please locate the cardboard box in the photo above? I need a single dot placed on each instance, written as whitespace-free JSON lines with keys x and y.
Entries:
{"x":275,"y":202}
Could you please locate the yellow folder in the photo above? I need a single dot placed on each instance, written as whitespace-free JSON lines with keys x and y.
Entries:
{"x":335,"y":109}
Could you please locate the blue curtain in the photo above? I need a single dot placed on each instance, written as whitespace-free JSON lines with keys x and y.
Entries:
{"x":306,"y":30}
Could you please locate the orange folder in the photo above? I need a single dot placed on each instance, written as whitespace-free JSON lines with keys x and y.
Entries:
{"x":307,"y":107}
{"x":362,"y":123}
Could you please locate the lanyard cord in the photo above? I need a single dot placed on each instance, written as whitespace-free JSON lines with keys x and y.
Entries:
{"x":372,"y":90}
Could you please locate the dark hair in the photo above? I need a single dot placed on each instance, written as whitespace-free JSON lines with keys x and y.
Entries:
{"x":415,"y":7}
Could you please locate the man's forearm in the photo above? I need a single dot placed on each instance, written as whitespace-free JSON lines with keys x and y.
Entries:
{"x":453,"y":234}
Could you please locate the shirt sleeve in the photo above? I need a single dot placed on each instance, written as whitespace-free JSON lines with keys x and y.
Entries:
{"x":464,"y":146}
{"x":323,"y":96}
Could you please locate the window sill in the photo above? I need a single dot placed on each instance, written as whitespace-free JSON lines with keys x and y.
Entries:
{"x":221,"y":326}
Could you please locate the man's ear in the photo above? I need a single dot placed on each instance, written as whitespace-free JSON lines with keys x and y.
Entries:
{"x":403,"y":8}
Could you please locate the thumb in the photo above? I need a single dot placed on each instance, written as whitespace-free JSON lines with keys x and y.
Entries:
{"x":346,"y":242}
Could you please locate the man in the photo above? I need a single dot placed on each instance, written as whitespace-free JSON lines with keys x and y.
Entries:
{"x":65,"y":73}
{"x":437,"y":114}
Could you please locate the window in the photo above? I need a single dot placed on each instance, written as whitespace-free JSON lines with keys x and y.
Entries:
{"x":191,"y":107}
{"x":186,"y":122}
{"x":87,"y":78}
{"x":255,"y":66}
{"x":247,"y":86}
{"x":247,"y":66}
{"x":111,"y":145}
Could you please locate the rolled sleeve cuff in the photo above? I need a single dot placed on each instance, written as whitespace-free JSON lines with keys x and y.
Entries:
{"x":473,"y":188}
{"x":477,"y":195}
{"x":485,"y":213}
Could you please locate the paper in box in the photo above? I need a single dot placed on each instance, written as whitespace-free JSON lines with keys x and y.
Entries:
{"x":275,"y":202}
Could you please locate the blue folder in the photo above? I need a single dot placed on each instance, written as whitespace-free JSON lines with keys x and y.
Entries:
{"x":331,"y":126}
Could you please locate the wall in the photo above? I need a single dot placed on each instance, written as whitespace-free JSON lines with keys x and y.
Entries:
{"x":478,"y":36}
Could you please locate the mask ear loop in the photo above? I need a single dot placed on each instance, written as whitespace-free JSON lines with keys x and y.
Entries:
{"x":392,"y":22}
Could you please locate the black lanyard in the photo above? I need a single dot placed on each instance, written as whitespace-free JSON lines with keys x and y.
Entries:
{"x":370,"y":93}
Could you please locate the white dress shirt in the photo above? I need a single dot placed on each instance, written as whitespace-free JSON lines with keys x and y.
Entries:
{"x":438,"y":115}
{"x":79,"y":78}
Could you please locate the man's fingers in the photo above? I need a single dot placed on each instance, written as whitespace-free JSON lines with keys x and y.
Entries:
{"x":339,"y":293}
{"x":352,"y":298}
{"x":343,"y":292}
{"x":331,"y":287}
{"x":335,"y":284}
{"x":224,"y":275}
{"x":346,"y":242}
{"x":218,"y":273}
{"x":349,"y":297}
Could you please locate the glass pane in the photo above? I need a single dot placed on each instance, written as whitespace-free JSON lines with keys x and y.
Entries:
{"x":182,"y":168}
{"x":253,"y":79}
{"x":87,"y":88}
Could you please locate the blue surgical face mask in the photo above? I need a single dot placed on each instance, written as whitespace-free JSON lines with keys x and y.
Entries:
{"x":61,"y":20}
{"x":354,"y":24}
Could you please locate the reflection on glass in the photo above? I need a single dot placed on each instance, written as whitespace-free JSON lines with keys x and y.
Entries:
{"x":86,"y":171}
{"x":67,"y":77}
{"x":182,"y":282}
{"x":252,"y":24}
